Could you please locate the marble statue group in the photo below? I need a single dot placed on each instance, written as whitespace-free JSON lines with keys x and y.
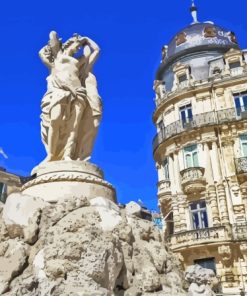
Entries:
{"x":71,"y":107}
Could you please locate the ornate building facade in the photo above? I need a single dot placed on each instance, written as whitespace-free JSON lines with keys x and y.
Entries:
{"x":200,"y":149}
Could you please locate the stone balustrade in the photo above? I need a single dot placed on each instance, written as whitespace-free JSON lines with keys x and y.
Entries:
{"x":164,"y":187}
{"x":236,"y":71}
{"x":197,"y":236}
{"x":192,"y":179}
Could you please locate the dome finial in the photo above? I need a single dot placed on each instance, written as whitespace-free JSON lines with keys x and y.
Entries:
{"x":193,"y":10}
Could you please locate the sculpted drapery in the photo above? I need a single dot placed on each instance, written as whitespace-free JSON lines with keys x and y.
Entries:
{"x":71,"y":107}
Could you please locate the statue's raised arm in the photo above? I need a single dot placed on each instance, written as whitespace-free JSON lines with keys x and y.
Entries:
{"x":68,"y":106}
{"x":49,"y":52}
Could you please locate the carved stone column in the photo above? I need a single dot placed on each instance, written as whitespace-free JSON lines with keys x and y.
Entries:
{"x":176,"y":216}
{"x":226,"y":256}
{"x":208,"y":165}
{"x":177,"y":172}
{"x":228,"y":157}
{"x":223,"y":203}
{"x":212,"y":197}
{"x":182,"y":206}
{"x":244,"y":197}
{"x":211,"y":190}
{"x":216,"y":161}
{"x":171,"y":174}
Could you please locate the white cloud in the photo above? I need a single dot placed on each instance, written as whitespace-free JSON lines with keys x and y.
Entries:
{"x":3,"y":153}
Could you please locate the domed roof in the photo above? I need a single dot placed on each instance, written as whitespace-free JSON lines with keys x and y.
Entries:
{"x":198,"y":37}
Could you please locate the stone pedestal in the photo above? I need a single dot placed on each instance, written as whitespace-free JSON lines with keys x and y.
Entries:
{"x":58,"y":180}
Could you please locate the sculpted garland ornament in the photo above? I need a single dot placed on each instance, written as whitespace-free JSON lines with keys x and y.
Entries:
{"x":71,"y":107}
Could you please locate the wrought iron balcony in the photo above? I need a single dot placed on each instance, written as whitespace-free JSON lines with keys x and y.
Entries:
{"x":192,"y":179}
{"x":164,"y":187}
{"x":197,"y":236}
{"x":241,"y":165}
{"x":199,"y":120}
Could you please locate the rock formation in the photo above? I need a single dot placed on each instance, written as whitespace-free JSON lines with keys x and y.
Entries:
{"x":82,"y":247}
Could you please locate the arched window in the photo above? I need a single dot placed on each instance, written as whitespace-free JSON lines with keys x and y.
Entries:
{"x":191,"y":156}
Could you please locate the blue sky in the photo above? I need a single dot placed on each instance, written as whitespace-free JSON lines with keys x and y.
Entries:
{"x":130,"y":34}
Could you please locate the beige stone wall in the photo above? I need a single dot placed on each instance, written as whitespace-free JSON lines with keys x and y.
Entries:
{"x":218,"y":183}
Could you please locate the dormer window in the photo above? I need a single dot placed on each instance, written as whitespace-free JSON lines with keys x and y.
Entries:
{"x":235,"y":68}
{"x":181,"y":38}
{"x":232,"y":37}
{"x":234,"y":65}
{"x":216,"y":70}
{"x":210,"y":32}
{"x":183,"y":80}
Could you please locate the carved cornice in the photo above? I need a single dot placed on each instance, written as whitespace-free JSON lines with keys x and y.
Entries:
{"x":66,"y":177}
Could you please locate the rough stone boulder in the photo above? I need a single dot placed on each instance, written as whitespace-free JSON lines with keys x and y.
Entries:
{"x":21,"y":214}
{"x":84,"y":248}
{"x":13,"y":259}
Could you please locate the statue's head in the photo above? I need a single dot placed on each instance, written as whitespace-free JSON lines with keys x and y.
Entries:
{"x":73,"y":44}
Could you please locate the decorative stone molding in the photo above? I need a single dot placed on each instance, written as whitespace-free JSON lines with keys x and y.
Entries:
{"x":193,"y":179}
{"x":225,"y":252}
{"x":64,"y":177}
{"x":243,"y":248}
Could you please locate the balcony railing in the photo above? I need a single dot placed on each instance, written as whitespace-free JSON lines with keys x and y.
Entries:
{"x":164,"y":186}
{"x":241,"y":165}
{"x":199,"y":120}
{"x":197,"y":236}
{"x":183,"y":84}
{"x":236,"y":71}
{"x":191,"y":174}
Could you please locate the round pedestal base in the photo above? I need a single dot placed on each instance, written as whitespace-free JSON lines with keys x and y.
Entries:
{"x":58,"y":180}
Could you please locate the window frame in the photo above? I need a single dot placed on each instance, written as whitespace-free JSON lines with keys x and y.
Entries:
{"x":242,"y":105}
{"x":185,"y":109}
{"x":165,"y":166}
{"x":241,"y":144}
{"x":195,"y":151}
{"x":198,"y":211}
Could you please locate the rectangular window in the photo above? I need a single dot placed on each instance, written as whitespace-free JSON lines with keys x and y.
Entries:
{"x":183,"y":81}
{"x":161,"y":125}
{"x":3,"y":193}
{"x":198,"y":213}
{"x":208,"y":263}
{"x":170,"y":224}
{"x":166,"y":168}
{"x":240,"y":103}
{"x":235,"y":65}
{"x":191,"y":156}
{"x":186,"y":114}
{"x":243,"y":140}
{"x":182,"y":78}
